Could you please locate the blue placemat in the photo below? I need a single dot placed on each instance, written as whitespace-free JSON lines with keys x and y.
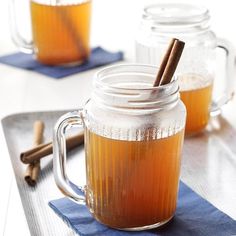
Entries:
{"x":194,"y":216}
{"x":98,"y":57}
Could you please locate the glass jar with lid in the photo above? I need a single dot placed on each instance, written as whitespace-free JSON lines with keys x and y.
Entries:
{"x":197,"y":68}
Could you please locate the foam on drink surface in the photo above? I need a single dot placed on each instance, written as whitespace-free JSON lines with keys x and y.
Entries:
{"x":194,"y":81}
{"x":60,"y":2}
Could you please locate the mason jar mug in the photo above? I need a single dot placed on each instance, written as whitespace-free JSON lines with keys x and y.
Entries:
{"x":198,"y":66}
{"x":133,"y":141}
{"x":60,"y":30}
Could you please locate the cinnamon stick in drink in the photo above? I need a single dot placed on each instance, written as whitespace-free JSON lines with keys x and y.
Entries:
{"x":164,"y":63}
{"x":172,"y":62}
{"x":40,"y":151}
{"x":169,"y":62}
{"x":33,"y":169}
{"x":167,"y":67}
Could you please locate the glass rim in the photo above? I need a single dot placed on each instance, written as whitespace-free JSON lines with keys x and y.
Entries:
{"x":60,"y":3}
{"x":98,"y":78}
{"x":169,"y":13}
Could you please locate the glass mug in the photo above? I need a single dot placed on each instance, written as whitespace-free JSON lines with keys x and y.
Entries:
{"x":133,"y":141}
{"x":60,"y":31}
{"x":197,"y":66}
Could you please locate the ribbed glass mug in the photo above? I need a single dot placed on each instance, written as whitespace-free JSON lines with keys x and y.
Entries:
{"x":133,"y":141}
{"x":197,"y":67}
{"x":60,"y":30}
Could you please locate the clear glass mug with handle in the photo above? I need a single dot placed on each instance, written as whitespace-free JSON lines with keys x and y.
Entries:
{"x":60,"y":30}
{"x":197,"y":68}
{"x":133,"y":141}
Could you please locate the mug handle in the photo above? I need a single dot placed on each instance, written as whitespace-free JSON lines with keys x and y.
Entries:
{"x":71,"y":119}
{"x":23,"y":45}
{"x":229,"y":73}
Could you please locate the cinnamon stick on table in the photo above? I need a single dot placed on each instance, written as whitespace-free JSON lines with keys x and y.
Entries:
{"x":169,"y":62}
{"x":33,"y":169}
{"x":40,"y":151}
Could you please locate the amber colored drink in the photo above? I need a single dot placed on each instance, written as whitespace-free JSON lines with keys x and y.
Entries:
{"x":132,"y":183}
{"x":196,"y":94}
{"x":61,"y":32}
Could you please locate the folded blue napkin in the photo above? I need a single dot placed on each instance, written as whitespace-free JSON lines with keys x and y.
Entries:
{"x":98,"y":57}
{"x":194,"y":216}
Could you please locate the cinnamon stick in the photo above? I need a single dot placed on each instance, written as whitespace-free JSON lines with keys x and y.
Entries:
{"x":164,"y":63}
{"x":73,"y":31}
{"x":32,"y":173}
{"x":169,"y":62}
{"x":32,"y":150}
{"x":41,"y":151}
{"x":33,"y":169}
{"x":173,"y":61}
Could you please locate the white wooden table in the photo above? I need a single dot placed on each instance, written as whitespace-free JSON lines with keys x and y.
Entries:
{"x":113,"y":26}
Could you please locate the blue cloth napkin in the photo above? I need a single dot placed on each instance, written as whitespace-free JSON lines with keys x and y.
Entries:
{"x":194,"y":216}
{"x":98,"y":57}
